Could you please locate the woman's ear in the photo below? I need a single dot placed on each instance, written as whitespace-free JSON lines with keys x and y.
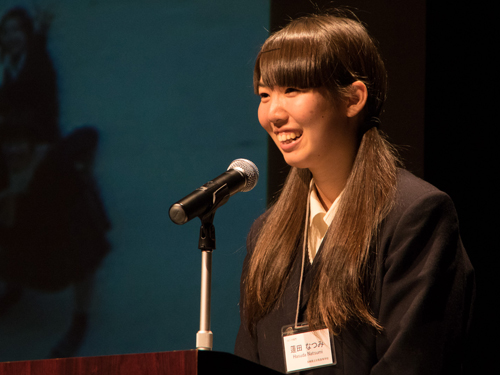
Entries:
{"x":357,"y":99}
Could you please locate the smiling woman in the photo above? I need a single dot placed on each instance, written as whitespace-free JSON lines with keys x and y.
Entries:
{"x":312,"y":130}
{"x":356,"y":252}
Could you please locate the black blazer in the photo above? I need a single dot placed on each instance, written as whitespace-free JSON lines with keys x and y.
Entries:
{"x":424,"y":292}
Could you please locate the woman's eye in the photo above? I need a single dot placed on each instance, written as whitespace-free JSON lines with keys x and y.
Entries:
{"x":264,"y":95}
{"x":290,"y":90}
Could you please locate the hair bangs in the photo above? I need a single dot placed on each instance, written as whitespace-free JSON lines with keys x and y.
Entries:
{"x":290,"y":62}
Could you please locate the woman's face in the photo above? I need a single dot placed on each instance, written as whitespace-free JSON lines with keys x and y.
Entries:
{"x":13,"y":37}
{"x":310,"y":129}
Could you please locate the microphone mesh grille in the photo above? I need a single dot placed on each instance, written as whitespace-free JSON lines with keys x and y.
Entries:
{"x":250,"y":171}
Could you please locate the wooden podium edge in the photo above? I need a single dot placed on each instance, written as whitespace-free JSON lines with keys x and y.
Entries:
{"x":182,"y":362}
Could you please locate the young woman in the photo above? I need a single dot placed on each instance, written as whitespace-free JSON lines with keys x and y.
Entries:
{"x":358,"y":268}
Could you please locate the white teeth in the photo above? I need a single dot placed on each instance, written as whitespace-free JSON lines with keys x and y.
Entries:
{"x":282,"y":137}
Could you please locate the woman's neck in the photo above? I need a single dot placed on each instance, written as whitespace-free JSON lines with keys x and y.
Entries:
{"x":331,"y":179}
{"x":328,"y":191}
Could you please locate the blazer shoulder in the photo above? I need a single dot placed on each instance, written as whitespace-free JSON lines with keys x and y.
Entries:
{"x":410,"y":187}
{"x":418,"y":199}
{"x":412,"y":190}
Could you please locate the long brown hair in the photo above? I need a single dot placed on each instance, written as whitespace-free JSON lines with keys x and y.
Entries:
{"x":331,"y":51}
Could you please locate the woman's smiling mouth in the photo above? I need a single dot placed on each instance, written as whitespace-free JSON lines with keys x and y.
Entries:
{"x":288,"y":137}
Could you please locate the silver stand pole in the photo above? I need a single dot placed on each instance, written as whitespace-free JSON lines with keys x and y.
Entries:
{"x":204,"y":337}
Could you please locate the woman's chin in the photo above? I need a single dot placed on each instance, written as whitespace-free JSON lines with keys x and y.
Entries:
{"x":294,"y":161}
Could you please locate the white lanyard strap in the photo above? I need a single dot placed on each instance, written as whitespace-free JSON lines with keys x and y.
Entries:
{"x":304,"y":243}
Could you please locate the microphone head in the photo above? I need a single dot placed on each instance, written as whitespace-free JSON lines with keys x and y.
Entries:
{"x":249,"y":170}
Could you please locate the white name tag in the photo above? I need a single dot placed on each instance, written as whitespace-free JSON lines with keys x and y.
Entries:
{"x":305,"y":349}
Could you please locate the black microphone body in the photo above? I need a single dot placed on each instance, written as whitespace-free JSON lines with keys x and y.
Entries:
{"x":241,"y":175}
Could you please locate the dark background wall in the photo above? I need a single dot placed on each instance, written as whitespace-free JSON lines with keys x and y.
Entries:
{"x":461,"y":116}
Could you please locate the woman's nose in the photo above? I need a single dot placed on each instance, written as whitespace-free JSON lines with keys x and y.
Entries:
{"x":277,"y":112}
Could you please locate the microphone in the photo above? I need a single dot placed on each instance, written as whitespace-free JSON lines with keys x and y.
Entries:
{"x":241,"y":175}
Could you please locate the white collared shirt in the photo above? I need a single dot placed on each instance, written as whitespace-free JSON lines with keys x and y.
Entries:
{"x":319,"y":220}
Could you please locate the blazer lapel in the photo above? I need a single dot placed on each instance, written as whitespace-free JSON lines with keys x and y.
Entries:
{"x":309,"y":273}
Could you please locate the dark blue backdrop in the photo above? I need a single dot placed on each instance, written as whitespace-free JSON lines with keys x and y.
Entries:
{"x":169,"y":86}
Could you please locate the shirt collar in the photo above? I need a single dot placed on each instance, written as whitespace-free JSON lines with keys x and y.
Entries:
{"x":319,"y":220}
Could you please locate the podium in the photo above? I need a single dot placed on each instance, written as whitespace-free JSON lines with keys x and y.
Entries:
{"x":183,"y":362}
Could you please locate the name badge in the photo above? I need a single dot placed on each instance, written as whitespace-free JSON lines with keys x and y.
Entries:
{"x":305,"y":349}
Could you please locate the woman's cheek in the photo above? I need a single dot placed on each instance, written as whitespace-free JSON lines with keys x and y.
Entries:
{"x":263,"y":119}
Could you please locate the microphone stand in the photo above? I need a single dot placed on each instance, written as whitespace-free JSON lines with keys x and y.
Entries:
{"x":204,"y":337}
{"x":206,"y":243}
